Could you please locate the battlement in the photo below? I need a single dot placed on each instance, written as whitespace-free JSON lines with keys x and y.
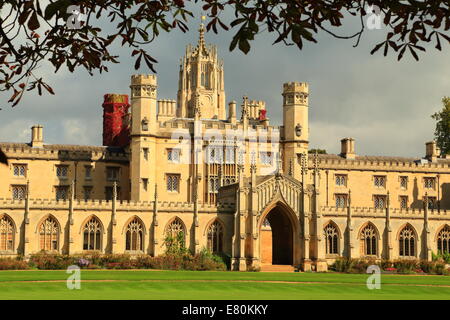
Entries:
{"x":144,"y":79}
{"x":412,"y":213}
{"x":379,"y":163}
{"x":106,"y":205}
{"x":115,"y":98}
{"x":254,"y":107}
{"x":295,"y":87}
{"x":63,"y":152}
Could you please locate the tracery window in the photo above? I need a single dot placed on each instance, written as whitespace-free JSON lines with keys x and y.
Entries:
{"x":229,"y":155}
{"x":92,"y":235}
{"x":332,"y":239}
{"x":407,"y":242}
{"x":368,"y":241}
{"x":404,"y":202}
{"x":404,"y":182}
{"x":443,"y":240}
{"x":61,"y":171}
{"x":135,"y":236}
{"x":175,"y":233}
{"x":215,"y":237}
{"x":341,"y":200}
{"x":62,"y":192}
{"x":19,"y":192}
{"x":379,"y":201}
{"x":49,"y":235}
{"x":429,"y":182}
{"x":173,"y":155}
{"x":341,"y":180}
{"x":173,"y":182}
{"x":6,"y":234}
{"x":379,"y":181}
{"x":213,"y":184}
{"x":215,"y":155}
{"x":20,"y":170}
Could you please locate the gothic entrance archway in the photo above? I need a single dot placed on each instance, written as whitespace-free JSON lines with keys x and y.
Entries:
{"x":277,"y":238}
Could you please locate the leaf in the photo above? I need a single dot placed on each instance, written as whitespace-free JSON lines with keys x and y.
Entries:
{"x":137,"y":64}
{"x":33,"y":23}
{"x":377,"y":47}
{"x":400,"y":55}
{"x":23,"y":16}
{"x":244,"y":45}
{"x":413,"y":53}
{"x":234,"y":42}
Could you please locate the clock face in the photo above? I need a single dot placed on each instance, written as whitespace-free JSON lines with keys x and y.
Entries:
{"x":298,"y":130}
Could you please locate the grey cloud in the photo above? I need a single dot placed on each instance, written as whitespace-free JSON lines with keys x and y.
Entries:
{"x":384,"y":104}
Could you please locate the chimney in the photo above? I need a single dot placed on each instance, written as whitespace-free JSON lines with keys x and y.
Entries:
{"x":348,"y":148}
{"x":431,"y":151}
{"x":115,"y":120}
{"x":37,"y":136}
{"x":232,"y":112}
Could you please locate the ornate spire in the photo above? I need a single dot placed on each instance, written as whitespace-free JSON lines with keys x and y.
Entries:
{"x":201,"y":40}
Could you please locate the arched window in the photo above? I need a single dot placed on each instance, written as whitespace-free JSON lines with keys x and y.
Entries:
{"x":49,"y":235}
{"x":135,"y":236}
{"x":368,"y":241}
{"x":175,"y":234}
{"x":215,"y":237}
{"x":92,"y":235}
{"x":407,"y":242}
{"x":443,"y":240}
{"x":332,"y":239}
{"x":6,"y":234}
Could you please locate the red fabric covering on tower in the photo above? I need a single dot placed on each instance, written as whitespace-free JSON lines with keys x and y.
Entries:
{"x":116,"y":132}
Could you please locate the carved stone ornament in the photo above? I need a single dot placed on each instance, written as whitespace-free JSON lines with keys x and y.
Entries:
{"x":298,"y":130}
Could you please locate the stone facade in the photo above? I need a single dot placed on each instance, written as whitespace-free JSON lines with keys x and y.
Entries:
{"x":239,"y":186}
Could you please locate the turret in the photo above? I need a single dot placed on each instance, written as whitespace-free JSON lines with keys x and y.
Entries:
{"x":143,"y":104}
{"x":143,"y":127}
{"x":295,"y":121}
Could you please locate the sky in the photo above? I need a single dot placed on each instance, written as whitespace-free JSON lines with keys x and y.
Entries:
{"x":385,"y":105}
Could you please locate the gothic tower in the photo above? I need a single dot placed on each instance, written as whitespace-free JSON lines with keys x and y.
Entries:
{"x":295,"y":122}
{"x":143,"y":141}
{"x":201,"y":82}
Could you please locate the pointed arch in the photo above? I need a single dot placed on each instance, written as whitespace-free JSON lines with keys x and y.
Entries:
{"x":89,"y":218}
{"x":215,"y":235}
{"x":287,"y":209}
{"x":443,"y":239}
{"x":49,"y":230}
{"x":134,"y":237}
{"x":93,"y":234}
{"x":7,"y":233}
{"x":332,"y":237}
{"x":175,"y":230}
{"x":407,"y":241}
{"x":124,"y":228}
{"x":45,"y":217}
{"x":368,"y":236}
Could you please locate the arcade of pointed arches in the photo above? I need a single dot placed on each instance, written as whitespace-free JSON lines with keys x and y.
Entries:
{"x":49,"y":231}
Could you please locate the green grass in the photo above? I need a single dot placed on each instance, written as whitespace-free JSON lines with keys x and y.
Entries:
{"x":144,"y":284}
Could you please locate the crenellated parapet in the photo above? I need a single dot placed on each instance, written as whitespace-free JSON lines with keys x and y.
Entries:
{"x":122,"y":205}
{"x":412,"y":213}
{"x":64,"y":152}
{"x":381,"y":164}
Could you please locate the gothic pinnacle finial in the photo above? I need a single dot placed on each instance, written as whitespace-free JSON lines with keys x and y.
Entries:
{"x":201,"y":40}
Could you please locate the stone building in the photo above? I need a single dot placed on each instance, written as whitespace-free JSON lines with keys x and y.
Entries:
{"x":233,"y":184}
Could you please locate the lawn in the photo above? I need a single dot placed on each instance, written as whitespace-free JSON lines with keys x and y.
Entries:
{"x":146,"y":284}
